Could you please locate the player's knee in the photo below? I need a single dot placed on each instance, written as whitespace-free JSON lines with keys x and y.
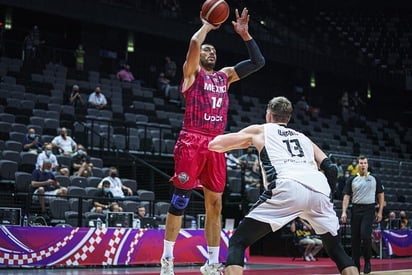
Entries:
{"x":180,"y":201}
{"x":236,"y":253}
{"x":235,"y":240}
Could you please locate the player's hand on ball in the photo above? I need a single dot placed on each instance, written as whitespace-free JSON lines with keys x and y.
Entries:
{"x":210,"y":26}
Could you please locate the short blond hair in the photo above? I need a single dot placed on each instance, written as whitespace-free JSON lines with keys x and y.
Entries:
{"x":281,"y":109}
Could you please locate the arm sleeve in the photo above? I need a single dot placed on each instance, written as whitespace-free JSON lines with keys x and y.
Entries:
{"x":331,"y":173}
{"x":256,"y":61}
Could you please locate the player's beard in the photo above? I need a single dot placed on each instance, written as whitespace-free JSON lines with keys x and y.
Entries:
{"x":208,"y":65}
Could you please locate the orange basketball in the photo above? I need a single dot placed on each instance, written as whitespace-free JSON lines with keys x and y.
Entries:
{"x":215,"y":11}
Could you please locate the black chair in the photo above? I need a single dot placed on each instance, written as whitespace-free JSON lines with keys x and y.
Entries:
{"x":64,"y":161}
{"x":28,"y":162}
{"x":93,"y":181}
{"x":58,"y":208}
{"x":97,"y":172}
{"x":129,"y":206}
{"x":22,"y":181}
{"x":78,"y":181}
{"x":17,"y":136}
{"x":132,"y":184}
{"x":5,"y":128}
{"x":8,"y":169}
{"x":63,"y":180}
{"x":13,"y":145}
{"x":97,"y":162}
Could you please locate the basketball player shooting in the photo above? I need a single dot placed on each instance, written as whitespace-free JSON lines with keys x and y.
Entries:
{"x":207,"y":104}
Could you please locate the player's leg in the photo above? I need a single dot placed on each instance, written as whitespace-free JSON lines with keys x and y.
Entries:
{"x":187,"y":164}
{"x":247,"y":233}
{"x":323,"y":219}
{"x":213,"y":225}
{"x":213,"y":179}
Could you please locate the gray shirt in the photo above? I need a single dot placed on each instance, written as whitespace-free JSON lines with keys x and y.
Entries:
{"x":363,"y":189}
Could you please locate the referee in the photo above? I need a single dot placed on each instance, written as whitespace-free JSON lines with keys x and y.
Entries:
{"x":363,"y":188}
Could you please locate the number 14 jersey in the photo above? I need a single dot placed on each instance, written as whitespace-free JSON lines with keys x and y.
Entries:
{"x":207,"y":103}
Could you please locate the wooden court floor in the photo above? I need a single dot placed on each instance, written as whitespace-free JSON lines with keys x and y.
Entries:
{"x":257,"y":265}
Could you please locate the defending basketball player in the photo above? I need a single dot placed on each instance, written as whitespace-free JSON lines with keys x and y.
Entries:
{"x":294,"y":187}
{"x":207,"y":102}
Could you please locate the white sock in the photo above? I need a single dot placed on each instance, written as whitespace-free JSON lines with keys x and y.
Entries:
{"x":213,"y":252}
{"x":168,"y":249}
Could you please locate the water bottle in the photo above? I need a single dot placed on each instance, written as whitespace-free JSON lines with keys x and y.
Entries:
{"x":99,"y":223}
{"x":136,"y":223}
{"x":25,"y":221}
{"x":193,"y":224}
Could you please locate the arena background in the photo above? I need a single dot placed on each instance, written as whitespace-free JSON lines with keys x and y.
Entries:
{"x":339,"y":45}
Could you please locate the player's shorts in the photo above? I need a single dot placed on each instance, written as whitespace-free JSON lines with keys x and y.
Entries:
{"x":291,"y":199}
{"x":196,"y":165}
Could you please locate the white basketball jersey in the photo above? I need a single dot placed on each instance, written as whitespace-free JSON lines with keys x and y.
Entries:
{"x":290,"y":155}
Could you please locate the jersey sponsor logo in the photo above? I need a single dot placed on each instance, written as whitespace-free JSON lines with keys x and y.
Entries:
{"x":208,"y":117}
{"x":214,"y":88}
{"x":183,"y":177}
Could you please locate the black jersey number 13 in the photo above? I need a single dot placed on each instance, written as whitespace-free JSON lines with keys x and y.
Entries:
{"x":294,"y":147}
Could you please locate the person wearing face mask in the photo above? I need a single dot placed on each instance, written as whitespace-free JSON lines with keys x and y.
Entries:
{"x":353,"y":167}
{"x":32,"y":142}
{"x":82,"y":165}
{"x":97,"y":99}
{"x":45,"y":186}
{"x":64,"y":143}
{"x":103,"y":198}
{"x":48,"y":155}
{"x":116,"y":186}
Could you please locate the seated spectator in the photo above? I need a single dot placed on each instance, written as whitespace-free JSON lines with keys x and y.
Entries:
{"x":385,"y":213}
{"x":163,"y":84}
{"x":304,"y":106}
{"x":353,"y":167}
{"x":249,"y":162}
{"x":32,"y":142}
{"x":82,"y":165}
{"x":141,"y":212}
{"x":64,"y":143}
{"x":340,"y":168}
{"x":97,"y":99}
{"x":47,"y":155}
{"x":75,"y":97}
{"x":125,"y":74}
{"x":170,"y":68}
{"x":115,"y":207}
{"x":392,"y":223}
{"x":231,"y":161}
{"x":102,"y":203}
{"x":116,"y":186}
{"x":304,"y":236}
{"x":44,"y":183}
{"x":404,"y":220}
